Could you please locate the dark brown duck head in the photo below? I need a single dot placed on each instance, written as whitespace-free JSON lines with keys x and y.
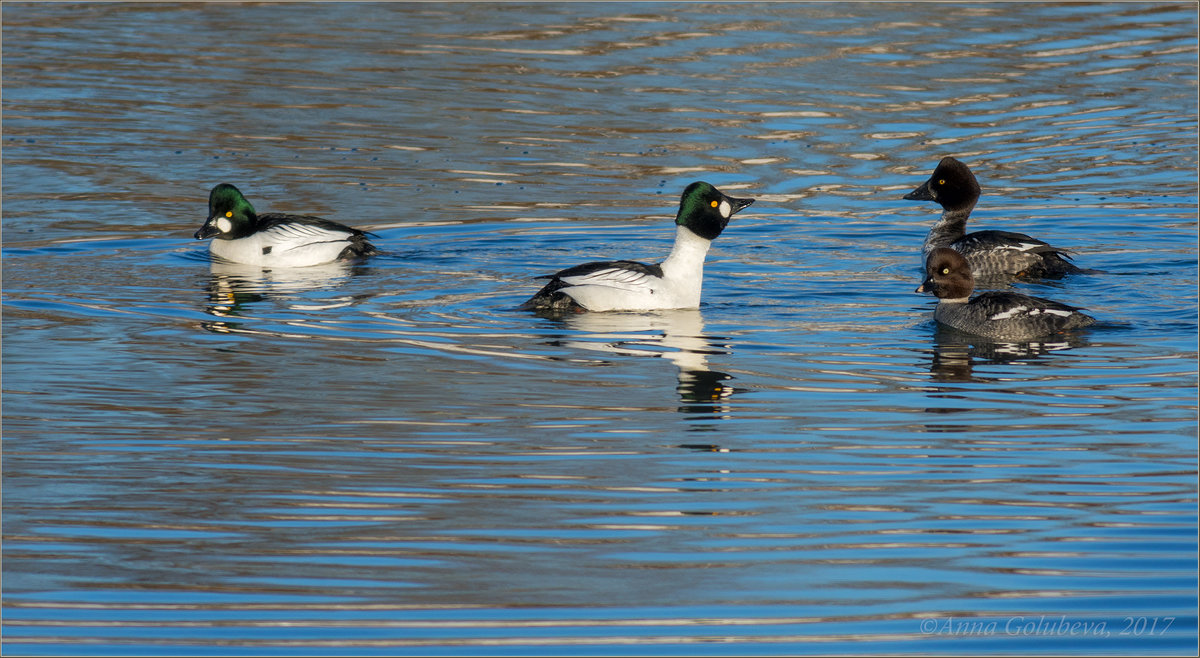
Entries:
{"x":952,"y":185}
{"x":947,"y":275}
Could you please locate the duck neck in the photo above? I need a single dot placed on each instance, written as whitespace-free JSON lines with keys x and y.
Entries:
{"x":956,"y":300}
{"x":686,"y":259}
{"x":950,"y":227}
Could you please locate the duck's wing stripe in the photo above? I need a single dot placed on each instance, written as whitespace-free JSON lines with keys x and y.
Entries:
{"x":1006,"y":240}
{"x":293,"y":236}
{"x":616,"y":278}
{"x":623,"y":274}
{"x":607,"y":266}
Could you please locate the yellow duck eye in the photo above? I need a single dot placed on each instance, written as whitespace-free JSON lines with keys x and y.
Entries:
{"x":945,"y":270}
{"x":229,"y":213}
{"x":714,"y":204}
{"x":941,"y":181}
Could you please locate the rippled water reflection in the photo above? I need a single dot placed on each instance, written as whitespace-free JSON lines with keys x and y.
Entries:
{"x":388,"y":458}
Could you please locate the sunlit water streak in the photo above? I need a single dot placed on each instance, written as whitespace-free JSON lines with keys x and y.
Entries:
{"x":387,"y":458}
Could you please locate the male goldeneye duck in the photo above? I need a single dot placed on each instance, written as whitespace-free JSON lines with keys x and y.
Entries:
{"x":996,"y":315}
{"x":275,"y":239}
{"x":990,"y":253}
{"x":626,"y":285}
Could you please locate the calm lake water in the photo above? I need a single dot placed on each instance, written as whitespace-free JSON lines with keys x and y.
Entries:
{"x":389,"y":459}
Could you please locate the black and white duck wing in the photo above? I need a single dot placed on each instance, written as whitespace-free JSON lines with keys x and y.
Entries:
{"x":1017,"y":315}
{"x":983,"y":240}
{"x":283,"y":233}
{"x":995,"y":253}
{"x":622,"y":275}
{"x":592,"y":281}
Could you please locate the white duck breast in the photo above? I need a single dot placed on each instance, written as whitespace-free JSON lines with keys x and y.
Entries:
{"x":637,"y":287}
{"x":285,"y":245}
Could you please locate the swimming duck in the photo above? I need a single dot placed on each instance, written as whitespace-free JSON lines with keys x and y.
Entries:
{"x":997,"y":315}
{"x":274,"y":239}
{"x":626,"y":285}
{"x":990,"y":253}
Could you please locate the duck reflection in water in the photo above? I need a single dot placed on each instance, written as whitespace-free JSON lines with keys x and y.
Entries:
{"x":955,"y":354}
{"x":233,"y":288}
{"x":676,"y":335}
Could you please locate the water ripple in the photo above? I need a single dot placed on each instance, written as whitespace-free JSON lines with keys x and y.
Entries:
{"x":389,"y":458}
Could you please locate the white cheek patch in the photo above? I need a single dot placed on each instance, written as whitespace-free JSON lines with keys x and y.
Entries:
{"x":725,"y":209}
{"x":224,"y":225}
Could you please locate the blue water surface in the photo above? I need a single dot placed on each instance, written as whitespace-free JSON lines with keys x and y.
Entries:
{"x":389,"y":458}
